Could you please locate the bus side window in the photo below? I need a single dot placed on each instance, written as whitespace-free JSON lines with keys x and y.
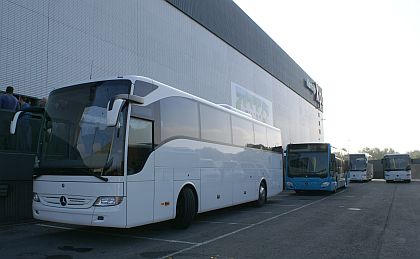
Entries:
{"x":333,"y":165}
{"x":140,"y":144}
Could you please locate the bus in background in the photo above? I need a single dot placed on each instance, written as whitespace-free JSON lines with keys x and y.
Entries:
{"x":130,"y":151}
{"x":315,"y":166}
{"x":359,"y":168}
{"x":397,"y":167}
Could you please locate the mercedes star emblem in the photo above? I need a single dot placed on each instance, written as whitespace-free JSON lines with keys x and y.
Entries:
{"x":63,"y":201}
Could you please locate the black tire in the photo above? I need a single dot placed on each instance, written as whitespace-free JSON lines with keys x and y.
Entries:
{"x":185,"y":209}
{"x":388,"y":181}
{"x":298,"y":192}
{"x":262,"y":195}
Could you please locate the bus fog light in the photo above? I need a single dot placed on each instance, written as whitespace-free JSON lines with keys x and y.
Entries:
{"x":108,"y":201}
{"x":36,"y":197}
{"x":325,"y":184}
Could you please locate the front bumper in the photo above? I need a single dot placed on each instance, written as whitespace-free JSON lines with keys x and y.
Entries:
{"x":111,"y":216}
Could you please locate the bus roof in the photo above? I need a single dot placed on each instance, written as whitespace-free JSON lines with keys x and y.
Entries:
{"x":171,"y":91}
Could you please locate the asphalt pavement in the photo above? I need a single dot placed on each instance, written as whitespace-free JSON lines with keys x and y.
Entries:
{"x":366,"y":220}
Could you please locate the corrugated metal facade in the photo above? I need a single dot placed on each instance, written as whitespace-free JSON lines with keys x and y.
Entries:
{"x":47,"y":44}
{"x":227,"y":21}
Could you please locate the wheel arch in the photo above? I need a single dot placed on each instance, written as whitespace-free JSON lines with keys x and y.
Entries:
{"x":191,"y":186}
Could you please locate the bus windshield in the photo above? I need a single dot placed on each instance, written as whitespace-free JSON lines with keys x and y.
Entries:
{"x":358,"y":163}
{"x":396,"y":163}
{"x":75,"y":138}
{"x":308,"y":164}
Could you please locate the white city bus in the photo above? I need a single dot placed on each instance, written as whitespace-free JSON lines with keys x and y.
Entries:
{"x":359,"y":168}
{"x":130,"y":151}
{"x":397,"y":167}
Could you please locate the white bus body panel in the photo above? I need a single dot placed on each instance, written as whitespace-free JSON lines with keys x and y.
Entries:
{"x":140,"y":195}
{"x":398,"y":176}
{"x":80,"y":192}
{"x":223,"y":175}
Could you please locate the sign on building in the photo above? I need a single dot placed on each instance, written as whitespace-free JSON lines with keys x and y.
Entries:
{"x":245,"y":100}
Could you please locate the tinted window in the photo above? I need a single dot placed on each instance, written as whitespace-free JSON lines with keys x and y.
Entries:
{"x":243,"y":134}
{"x":140,"y":144}
{"x":260,"y":136}
{"x":307,"y":164}
{"x":179,"y":117}
{"x":215,"y":125}
{"x":142,"y":88}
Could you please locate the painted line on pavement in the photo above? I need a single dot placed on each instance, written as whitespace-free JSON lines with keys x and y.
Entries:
{"x":120,"y":235}
{"x":222,"y":222}
{"x":245,"y":228}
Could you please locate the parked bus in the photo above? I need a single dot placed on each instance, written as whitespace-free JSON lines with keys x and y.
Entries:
{"x":397,"y":167}
{"x":359,"y":168}
{"x":129,"y":151}
{"x":314,"y":166}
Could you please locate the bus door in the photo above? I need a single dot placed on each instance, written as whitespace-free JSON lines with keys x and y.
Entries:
{"x":333,"y":169}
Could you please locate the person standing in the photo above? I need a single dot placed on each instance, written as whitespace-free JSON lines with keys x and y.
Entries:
{"x":8,"y":101}
{"x":24,"y":137}
{"x":23,"y":104}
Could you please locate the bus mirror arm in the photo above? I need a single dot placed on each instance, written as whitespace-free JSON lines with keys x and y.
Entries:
{"x":16,"y":117}
{"x":116,"y":103}
{"x":13,"y":123}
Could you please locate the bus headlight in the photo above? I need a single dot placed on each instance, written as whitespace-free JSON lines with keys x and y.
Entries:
{"x":325,"y":184}
{"x":108,"y":201}
{"x":36,"y":197}
{"x":289,"y":184}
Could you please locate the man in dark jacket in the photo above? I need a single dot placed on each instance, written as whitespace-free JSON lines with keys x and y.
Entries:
{"x":8,"y":101}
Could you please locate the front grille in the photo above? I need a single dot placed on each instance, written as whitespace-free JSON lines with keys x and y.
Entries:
{"x":71,"y":201}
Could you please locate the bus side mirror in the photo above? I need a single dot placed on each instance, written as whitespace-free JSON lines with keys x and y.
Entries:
{"x":113,"y":109}
{"x":13,"y":123}
{"x":116,"y":103}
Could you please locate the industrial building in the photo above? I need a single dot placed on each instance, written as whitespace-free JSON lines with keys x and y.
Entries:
{"x":208,"y":48}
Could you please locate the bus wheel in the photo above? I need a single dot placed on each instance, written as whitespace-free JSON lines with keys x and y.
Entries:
{"x":262,"y":194}
{"x":185,"y":209}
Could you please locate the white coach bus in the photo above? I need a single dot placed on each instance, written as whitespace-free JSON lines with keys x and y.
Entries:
{"x":129,"y":151}
{"x":359,"y":168}
{"x":397,"y":167}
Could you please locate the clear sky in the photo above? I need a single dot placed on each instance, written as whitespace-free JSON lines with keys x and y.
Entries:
{"x":365,"y":54}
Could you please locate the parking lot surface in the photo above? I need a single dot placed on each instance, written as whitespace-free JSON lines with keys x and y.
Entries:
{"x":366,"y":220}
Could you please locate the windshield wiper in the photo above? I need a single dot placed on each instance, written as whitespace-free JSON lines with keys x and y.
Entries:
{"x":98,"y":176}
{"x":65,"y":171}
